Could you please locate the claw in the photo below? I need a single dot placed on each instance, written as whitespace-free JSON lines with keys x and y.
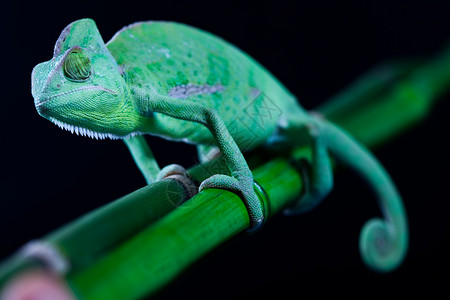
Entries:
{"x":170,"y":170}
{"x":180,"y":174}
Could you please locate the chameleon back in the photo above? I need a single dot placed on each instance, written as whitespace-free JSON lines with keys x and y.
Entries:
{"x":192,"y":65}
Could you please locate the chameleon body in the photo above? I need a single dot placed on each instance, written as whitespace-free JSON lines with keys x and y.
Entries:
{"x":182,"y":83}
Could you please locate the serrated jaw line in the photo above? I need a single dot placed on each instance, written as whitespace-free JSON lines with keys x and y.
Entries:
{"x":90,"y":133}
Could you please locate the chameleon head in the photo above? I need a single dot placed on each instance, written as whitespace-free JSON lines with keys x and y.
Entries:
{"x":81,"y":88}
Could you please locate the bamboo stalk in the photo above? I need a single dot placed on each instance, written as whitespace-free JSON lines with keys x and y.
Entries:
{"x":115,"y":254}
{"x":92,"y":235}
{"x":156,"y":255}
{"x":402,"y":93}
{"x":89,"y":237}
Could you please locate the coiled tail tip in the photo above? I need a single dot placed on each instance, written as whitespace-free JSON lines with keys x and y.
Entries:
{"x":383,"y":248}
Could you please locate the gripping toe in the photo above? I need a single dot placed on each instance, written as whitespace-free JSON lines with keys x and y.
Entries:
{"x":180,"y":174}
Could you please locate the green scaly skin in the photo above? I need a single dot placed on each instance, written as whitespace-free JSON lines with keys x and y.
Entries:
{"x":181,"y":83}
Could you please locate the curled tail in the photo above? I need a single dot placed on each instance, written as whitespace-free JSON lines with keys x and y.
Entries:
{"x":383,"y":242}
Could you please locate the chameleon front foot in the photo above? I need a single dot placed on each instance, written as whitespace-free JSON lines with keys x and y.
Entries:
{"x":382,"y":247}
{"x":180,"y":174}
{"x":244,"y":189}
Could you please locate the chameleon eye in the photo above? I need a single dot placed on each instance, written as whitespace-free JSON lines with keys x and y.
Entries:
{"x":77,"y":66}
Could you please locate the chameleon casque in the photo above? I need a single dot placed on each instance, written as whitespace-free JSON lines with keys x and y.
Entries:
{"x":182,"y":83}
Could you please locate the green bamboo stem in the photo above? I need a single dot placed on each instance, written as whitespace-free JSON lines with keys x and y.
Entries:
{"x":89,"y":237}
{"x":401,"y":93}
{"x":86,"y":239}
{"x":115,"y":254}
{"x":156,"y":255}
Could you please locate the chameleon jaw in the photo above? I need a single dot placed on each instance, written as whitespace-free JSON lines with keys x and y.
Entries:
{"x":90,"y":133}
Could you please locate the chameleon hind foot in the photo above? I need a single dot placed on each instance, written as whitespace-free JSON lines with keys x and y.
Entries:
{"x":180,"y":174}
{"x":244,"y":189}
{"x":317,"y":175}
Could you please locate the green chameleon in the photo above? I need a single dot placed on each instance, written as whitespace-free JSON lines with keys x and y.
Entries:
{"x":182,"y":83}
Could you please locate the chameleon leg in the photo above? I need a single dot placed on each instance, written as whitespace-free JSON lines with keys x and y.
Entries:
{"x":143,"y":157}
{"x":320,"y":180}
{"x":147,"y":164}
{"x":241,"y":177}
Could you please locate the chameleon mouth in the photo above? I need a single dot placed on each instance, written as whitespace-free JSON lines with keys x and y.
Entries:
{"x":90,"y":133}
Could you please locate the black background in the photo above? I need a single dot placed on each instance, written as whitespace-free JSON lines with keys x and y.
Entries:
{"x":50,"y":177}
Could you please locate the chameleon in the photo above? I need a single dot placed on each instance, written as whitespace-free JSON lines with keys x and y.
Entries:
{"x":185,"y":84}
